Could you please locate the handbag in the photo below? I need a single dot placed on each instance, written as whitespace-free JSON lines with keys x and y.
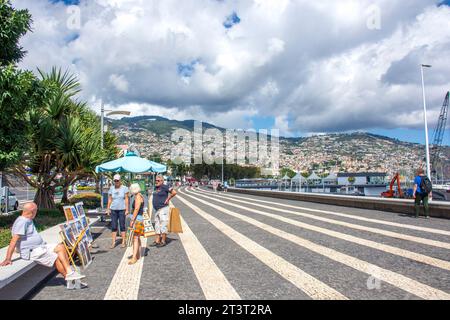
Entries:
{"x":149,"y":230}
{"x":174,"y":225}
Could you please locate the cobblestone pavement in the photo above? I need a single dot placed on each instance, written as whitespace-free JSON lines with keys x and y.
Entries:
{"x":249,"y":247}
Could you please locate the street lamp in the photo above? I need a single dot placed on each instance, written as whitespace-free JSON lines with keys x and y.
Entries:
{"x":102,"y":130}
{"x":427,"y":143}
{"x":110,"y":113}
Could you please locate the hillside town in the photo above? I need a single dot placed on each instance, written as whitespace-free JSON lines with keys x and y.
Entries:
{"x":352,"y":153}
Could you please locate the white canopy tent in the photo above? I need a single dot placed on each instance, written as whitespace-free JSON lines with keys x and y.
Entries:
{"x":314,"y":176}
{"x":298,"y":178}
{"x":331,"y":178}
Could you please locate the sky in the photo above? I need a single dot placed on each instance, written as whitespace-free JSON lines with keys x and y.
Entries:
{"x":303,"y":67}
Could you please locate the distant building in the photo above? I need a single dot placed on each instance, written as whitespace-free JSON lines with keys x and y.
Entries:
{"x":362,"y":179}
{"x":369,"y":184}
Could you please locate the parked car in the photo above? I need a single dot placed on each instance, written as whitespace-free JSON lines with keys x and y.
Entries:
{"x":13,"y":203}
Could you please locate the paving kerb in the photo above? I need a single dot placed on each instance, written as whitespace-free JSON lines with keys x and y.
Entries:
{"x":437,"y":209}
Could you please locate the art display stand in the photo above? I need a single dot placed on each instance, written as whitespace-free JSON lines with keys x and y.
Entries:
{"x":71,"y":250}
{"x":77,"y":239}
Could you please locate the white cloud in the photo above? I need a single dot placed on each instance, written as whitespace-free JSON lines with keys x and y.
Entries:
{"x":312,"y":65}
{"x":119,"y":82}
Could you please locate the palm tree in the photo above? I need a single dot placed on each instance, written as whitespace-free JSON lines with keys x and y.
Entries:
{"x":64,"y":144}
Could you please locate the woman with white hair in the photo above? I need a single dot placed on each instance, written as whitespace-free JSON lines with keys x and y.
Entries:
{"x":136,"y":220}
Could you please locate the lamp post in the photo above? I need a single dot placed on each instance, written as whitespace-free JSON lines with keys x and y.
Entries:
{"x":110,"y":113}
{"x":102,"y":130}
{"x":426,"y":121}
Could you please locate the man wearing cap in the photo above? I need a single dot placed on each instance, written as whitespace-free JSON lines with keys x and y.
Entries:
{"x":118,"y":197}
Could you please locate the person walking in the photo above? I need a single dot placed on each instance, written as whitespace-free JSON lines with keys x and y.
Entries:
{"x":161,"y":198}
{"x":117,"y":208}
{"x":420,"y":193}
{"x":136,"y":221}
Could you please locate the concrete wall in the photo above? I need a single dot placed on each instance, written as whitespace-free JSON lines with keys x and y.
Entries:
{"x":437,"y":209}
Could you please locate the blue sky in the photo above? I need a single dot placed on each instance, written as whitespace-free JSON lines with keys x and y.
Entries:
{"x":298,"y":66}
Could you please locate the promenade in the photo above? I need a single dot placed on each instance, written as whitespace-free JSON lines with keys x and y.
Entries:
{"x":249,"y":247}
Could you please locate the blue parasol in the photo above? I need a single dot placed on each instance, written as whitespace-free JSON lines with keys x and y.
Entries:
{"x":131,"y":163}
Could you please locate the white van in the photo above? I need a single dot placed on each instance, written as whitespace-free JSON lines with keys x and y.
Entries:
{"x":13,"y":203}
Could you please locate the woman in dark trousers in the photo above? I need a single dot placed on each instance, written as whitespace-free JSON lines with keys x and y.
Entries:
{"x":420,"y":195}
{"x":118,"y":209}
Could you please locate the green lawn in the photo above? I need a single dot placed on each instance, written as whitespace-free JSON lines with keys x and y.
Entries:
{"x":45,"y":219}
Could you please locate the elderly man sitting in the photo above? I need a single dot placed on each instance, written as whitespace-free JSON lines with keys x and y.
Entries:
{"x":32,"y":247}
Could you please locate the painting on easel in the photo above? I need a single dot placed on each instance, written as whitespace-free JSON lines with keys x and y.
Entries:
{"x":68,"y":213}
{"x":85,"y":225}
{"x":77,"y":224}
{"x":80,"y":209}
{"x":84,"y":254}
{"x":69,"y":234}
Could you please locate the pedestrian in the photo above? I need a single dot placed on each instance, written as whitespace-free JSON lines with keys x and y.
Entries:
{"x":161,"y":198}
{"x":117,"y":208}
{"x":137,"y":221}
{"x":215,"y":185}
{"x":31,"y":246}
{"x":421,"y":194}
{"x":225,"y":186}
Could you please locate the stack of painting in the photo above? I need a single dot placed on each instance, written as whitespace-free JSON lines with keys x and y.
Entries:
{"x":77,"y":226}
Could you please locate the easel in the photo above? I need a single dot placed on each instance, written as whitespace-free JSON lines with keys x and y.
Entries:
{"x":73,"y":284}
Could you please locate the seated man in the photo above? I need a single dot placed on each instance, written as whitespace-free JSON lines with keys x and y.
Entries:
{"x":32,"y":247}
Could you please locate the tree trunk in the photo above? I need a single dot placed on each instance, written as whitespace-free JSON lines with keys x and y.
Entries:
{"x":44,"y":198}
{"x":97,"y":185}
{"x":65,"y":197}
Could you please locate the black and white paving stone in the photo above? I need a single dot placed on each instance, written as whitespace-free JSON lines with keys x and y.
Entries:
{"x":231,"y":233}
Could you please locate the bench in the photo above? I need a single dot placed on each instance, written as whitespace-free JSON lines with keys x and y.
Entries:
{"x":20,"y":278}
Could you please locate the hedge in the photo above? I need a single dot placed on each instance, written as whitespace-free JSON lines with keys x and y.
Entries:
{"x":90,"y":200}
{"x":86,"y":188}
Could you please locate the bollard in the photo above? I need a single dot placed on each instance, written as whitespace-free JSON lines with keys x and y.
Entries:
{"x":6,"y":200}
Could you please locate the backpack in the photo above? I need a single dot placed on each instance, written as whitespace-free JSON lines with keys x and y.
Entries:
{"x":426,"y":185}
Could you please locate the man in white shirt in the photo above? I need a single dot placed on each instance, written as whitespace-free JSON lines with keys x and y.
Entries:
{"x":32,"y":247}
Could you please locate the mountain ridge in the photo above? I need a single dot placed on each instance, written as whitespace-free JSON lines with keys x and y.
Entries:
{"x":189,"y":125}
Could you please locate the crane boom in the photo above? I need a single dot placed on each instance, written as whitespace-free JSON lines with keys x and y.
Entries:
{"x":439,"y":132}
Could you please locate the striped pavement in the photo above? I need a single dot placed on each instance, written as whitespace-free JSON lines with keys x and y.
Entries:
{"x":256,"y":248}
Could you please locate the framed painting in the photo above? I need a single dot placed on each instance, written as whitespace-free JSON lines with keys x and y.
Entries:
{"x":80,"y":209}
{"x":68,"y":213}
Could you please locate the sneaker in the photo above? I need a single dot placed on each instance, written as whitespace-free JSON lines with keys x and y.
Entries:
{"x":161,"y":245}
{"x":74,"y":276}
{"x":155,"y":244}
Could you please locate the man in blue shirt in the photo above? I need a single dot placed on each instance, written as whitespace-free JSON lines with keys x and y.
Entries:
{"x":161,"y":198}
{"x":420,"y":195}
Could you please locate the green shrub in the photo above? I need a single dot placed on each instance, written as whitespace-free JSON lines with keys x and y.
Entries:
{"x":90,"y":200}
{"x":86,"y":188}
{"x":5,"y":237}
{"x":6,"y":222}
